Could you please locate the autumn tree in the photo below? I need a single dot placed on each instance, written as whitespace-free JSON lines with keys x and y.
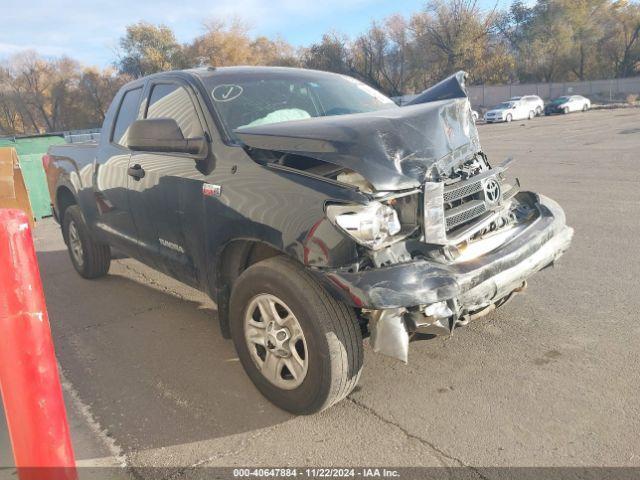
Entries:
{"x":459,"y":35}
{"x":331,"y":54}
{"x":380,"y":55}
{"x":147,"y":49}
{"x":621,"y":42}
{"x":52,"y":95}
{"x":39,"y":89}
{"x":230,"y":43}
{"x":97,"y":88}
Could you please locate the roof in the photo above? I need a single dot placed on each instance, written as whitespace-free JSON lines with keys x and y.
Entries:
{"x":209,"y":72}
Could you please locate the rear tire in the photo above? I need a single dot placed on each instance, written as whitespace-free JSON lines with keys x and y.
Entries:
{"x":531,"y":115}
{"x":331,"y":355}
{"x":585,"y":107}
{"x":90,"y":258}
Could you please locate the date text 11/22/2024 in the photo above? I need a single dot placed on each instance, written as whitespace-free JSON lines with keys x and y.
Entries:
{"x":315,"y":472}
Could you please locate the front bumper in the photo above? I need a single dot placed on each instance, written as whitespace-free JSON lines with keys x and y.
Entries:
{"x":467,"y":286}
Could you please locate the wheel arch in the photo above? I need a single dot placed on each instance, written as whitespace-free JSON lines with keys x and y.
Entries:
{"x":64,"y":199}
{"x":232,"y":259}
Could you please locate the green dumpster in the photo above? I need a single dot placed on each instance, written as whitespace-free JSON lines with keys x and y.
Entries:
{"x":30,"y":151}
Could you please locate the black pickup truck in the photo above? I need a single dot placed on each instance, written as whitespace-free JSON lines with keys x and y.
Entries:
{"x":312,"y":209}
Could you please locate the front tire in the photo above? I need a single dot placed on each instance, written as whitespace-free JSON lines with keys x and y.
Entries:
{"x":300,"y":347}
{"x":90,"y":258}
{"x":565,"y":110}
{"x":508,"y":118}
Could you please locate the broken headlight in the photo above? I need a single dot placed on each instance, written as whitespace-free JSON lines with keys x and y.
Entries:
{"x":371,"y":225}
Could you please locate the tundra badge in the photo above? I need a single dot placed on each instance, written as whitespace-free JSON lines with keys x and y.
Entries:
{"x":210,"y":190}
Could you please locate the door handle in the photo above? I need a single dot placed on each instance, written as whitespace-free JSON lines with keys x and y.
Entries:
{"x":137,"y":172}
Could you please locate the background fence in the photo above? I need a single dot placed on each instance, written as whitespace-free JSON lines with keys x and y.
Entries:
{"x":612,"y":90}
{"x":599,"y":91}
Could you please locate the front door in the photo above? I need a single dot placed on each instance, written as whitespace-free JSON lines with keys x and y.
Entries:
{"x":112,"y":215}
{"x":165,"y":189}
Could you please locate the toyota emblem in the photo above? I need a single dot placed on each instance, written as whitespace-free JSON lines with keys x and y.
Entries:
{"x":492,"y":191}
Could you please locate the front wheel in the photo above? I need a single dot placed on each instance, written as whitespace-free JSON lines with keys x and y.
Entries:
{"x":565,"y":110}
{"x":508,"y":118}
{"x":90,"y":258}
{"x":300,"y":347}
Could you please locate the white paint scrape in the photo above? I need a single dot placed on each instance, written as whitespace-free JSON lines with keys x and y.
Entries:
{"x":117,"y":456}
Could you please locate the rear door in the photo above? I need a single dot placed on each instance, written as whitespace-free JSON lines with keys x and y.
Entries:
{"x":168,"y":198}
{"x":112,"y":216}
{"x":521,"y":111}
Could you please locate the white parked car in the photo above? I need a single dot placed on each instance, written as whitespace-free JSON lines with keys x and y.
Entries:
{"x":511,"y":110}
{"x":533,"y":101}
{"x":568,"y":103}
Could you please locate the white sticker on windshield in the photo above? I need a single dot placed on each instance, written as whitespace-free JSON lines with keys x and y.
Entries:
{"x":226,"y":93}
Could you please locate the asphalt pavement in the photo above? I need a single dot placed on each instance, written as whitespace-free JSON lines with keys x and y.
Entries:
{"x":550,"y":379}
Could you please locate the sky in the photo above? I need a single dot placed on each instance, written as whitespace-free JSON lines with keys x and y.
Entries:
{"x":89,"y":30}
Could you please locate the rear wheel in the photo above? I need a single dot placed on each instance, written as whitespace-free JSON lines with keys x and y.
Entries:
{"x":300,"y":347}
{"x":90,"y":258}
{"x":538,"y":110}
{"x":585,"y":107}
{"x":531,"y":115}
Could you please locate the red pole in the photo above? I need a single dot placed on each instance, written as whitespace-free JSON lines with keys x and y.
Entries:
{"x":29,"y":381}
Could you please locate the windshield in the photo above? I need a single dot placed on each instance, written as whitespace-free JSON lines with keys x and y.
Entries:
{"x":255,"y":97}
{"x":502,"y":106}
{"x":560,"y":100}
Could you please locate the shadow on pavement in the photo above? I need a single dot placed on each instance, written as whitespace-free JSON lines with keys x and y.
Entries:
{"x":152,"y":366}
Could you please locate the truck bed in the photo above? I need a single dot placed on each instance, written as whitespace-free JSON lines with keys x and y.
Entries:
{"x":69,"y":164}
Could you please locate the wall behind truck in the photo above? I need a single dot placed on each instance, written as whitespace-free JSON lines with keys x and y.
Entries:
{"x":30,"y":151}
{"x":598,"y":91}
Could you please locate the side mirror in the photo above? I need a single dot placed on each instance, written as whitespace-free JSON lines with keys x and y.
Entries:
{"x":163,"y":135}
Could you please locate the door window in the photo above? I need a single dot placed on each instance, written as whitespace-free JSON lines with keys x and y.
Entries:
{"x":173,"y":101}
{"x":127,"y":113}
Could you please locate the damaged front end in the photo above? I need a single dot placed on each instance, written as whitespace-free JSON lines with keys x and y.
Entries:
{"x":445,"y":237}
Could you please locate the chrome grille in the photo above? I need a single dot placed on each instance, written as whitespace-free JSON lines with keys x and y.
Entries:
{"x":464,"y":213}
{"x":463,"y":189}
{"x":455,"y":211}
{"x":510,"y":193}
{"x":465,"y":200}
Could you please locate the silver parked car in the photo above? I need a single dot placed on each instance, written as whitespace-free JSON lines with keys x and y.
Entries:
{"x":508,"y":111}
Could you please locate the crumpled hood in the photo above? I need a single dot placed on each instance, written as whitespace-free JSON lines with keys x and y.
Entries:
{"x":395,"y":148}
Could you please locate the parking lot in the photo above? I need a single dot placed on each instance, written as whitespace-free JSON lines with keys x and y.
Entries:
{"x":551,"y":379}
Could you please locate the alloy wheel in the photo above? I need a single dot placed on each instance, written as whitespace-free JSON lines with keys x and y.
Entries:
{"x":275,"y":341}
{"x":75,"y":244}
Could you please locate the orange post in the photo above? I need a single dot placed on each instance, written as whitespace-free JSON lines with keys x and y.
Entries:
{"x":29,"y":380}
